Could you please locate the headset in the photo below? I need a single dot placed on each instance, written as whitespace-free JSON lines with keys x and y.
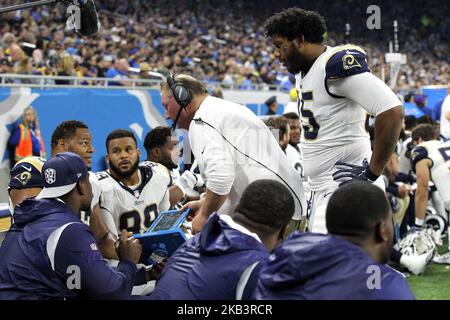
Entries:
{"x":181,"y":94}
{"x":200,"y":121}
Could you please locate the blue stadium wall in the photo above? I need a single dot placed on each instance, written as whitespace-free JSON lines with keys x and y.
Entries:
{"x":102,"y":110}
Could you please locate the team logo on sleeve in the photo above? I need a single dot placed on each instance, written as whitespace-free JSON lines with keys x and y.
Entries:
{"x":349,"y":61}
{"x":50,"y":175}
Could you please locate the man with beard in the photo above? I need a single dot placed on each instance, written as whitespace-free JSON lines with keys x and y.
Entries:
{"x":162,"y":148}
{"x":132,"y":193}
{"x":336,"y":90}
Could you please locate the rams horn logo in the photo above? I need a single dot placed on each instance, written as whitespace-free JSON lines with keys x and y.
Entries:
{"x":349,"y":61}
{"x":50,"y":175}
{"x":23,"y":178}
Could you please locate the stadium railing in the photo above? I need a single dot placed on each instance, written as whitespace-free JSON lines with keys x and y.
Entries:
{"x":39,"y":81}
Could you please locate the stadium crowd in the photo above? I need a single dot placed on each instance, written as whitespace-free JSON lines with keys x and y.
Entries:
{"x":216,"y":41}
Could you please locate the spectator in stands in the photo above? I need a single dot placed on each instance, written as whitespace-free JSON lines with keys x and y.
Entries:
{"x":119,"y":72}
{"x":16,"y":53}
{"x":349,"y":263}
{"x":144,"y":70}
{"x":26,"y":139}
{"x":65,"y":68}
{"x":6,"y":66}
{"x":212,"y":265}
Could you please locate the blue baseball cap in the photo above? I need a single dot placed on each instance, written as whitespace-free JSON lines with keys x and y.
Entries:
{"x":61,"y":174}
{"x":26,"y":173}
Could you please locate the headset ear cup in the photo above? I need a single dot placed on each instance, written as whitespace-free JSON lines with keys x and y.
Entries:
{"x":182,"y":95}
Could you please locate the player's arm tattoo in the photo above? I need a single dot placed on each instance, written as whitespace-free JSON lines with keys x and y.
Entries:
{"x":388,"y":125}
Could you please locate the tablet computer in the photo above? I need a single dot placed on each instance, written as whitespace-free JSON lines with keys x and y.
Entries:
{"x":164,"y":236}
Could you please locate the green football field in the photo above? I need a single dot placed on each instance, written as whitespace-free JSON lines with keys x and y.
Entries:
{"x":434,"y":284}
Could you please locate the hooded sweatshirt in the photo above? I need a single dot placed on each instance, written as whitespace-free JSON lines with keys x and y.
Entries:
{"x":50,"y":254}
{"x":316,"y":267}
{"x":209,"y":265}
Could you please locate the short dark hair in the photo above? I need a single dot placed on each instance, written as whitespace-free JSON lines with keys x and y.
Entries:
{"x":425,"y":131}
{"x":119,"y":133}
{"x":278,"y":123}
{"x":291,"y":116}
{"x":268,"y":203}
{"x":410,"y":122}
{"x":157,"y":137}
{"x":355,"y":209}
{"x":292,"y":23}
{"x":66,"y":130}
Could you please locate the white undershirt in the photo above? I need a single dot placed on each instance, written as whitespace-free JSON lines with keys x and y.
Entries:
{"x":367,"y":90}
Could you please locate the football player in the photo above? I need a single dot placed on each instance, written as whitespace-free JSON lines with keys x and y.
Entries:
{"x":74,"y":136}
{"x":431,"y":162}
{"x":336,"y":89}
{"x":162,"y":148}
{"x":132,"y":193}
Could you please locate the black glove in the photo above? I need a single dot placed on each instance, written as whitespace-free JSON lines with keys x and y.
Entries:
{"x":346,"y":172}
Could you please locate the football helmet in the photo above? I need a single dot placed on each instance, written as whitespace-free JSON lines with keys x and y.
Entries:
{"x":417,"y":242}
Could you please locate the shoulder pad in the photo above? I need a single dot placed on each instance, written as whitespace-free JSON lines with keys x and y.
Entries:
{"x":157,"y":168}
{"x":417,"y":154}
{"x":148,"y":164}
{"x":346,"y":61}
{"x":101,"y":175}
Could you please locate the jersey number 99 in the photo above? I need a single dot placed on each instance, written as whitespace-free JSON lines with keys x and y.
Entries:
{"x":135,"y":221}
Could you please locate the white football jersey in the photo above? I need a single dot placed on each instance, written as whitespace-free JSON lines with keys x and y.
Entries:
{"x":85,"y":216}
{"x":403,"y":160}
{"x":439,"y":153}
{"x":135,"y":209}
{"x":333,"y":126}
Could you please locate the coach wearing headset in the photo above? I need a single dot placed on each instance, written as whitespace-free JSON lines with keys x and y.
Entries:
{"x":232,"y":146}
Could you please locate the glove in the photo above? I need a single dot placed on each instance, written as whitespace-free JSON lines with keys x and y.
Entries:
{"x":347,"y":172}
{"x":189,"y":181}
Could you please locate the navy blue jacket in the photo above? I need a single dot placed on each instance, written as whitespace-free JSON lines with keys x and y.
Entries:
{"x":36,"y":263}
{"x":209,"y":265}
{"x":315,"y":266}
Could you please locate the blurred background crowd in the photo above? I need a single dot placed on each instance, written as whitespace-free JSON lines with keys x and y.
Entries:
{"x":215,"y":40}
